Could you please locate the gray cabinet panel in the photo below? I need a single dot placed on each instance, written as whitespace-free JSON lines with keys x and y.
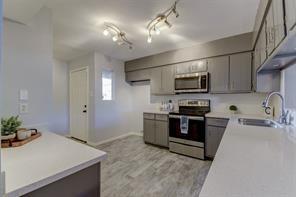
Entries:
{"x":270,"y":30}
{"x":262,"y":42}
{"x":149,"y":131}
{"x":219,"y":74}
{"x":168,"y":80}
{"x":290,"y":6}
{"x":155,"y":83}
{"x":161,"y":133}
{"x":139,"y":75}
{"x":241,"y":72}
{"x":213,"y":139}
{"x":279,"y":24}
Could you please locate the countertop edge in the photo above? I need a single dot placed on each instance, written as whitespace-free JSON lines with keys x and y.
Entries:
{"x":48,"y":180}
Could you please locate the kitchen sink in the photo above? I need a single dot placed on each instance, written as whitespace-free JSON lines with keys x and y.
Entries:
{"x":259,"y":122}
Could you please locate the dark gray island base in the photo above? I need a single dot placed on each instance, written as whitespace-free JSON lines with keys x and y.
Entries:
{"x":84,"y":183}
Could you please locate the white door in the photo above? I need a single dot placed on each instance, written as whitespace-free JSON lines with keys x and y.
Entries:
{"x":78,"y":104}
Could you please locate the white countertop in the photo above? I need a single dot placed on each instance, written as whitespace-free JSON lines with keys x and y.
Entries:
{"x":253,"y":162}
{"x":43,"y":161}
{"x":229,"y":115}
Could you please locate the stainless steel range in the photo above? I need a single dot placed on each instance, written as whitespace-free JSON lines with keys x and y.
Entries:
{"x":187,"y":128}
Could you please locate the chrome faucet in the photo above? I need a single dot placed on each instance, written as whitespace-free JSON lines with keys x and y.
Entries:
{"x":284,"y":113}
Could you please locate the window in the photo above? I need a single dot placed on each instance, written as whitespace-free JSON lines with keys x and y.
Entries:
{"x":107,"y":85}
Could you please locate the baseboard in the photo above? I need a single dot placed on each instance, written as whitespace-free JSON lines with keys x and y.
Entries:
{"x":114,"y":138}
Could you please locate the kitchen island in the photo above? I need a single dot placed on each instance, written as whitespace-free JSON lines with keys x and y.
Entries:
{"x":253,"y":161}
{"x":52,"y":165}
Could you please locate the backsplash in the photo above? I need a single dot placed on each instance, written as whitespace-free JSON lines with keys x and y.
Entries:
{"x":246,"y":103}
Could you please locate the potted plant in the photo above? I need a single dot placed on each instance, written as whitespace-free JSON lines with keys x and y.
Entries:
{"x":9,"y":127}
{"x":233,"y":109}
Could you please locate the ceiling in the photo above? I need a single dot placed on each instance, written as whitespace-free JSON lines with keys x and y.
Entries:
{"x":78,"y":24}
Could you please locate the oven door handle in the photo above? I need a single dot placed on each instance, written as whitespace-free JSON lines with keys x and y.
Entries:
{"x":189,"y":117}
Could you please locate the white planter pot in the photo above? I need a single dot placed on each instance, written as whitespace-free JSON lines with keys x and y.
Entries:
{"x":8,"y":137}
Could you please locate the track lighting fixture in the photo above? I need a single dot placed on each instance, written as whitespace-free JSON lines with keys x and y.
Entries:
{"x":153,"y":25}
{"x":117,"y":35}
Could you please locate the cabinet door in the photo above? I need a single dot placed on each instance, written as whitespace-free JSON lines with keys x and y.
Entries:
{"x":149,"y":131}
{"x":168,"y":80}
{"x":138,"y":75}
{"x":199,"y":66}
{"x":161,"y":133}
{"x":241,"y":72}
{"x":155,"y":83}
{"x":279,"y":24}
{"x":219,"y":74}
{"x":213,"y":139}
{"x":290,"y":14}
{"x":270,"y":30}
{"x":262,"y":42}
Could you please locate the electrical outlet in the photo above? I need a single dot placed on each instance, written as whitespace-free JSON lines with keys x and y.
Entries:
{"x":24,"y":108}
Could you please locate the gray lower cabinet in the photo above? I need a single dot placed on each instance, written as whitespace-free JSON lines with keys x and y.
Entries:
{"x":241,"y":72}
{"x":161,"y":133}
{"x":219,"y":74}
{"x":149,"y":131}
{"x":156,"y":129}
{"x":215,"y":129}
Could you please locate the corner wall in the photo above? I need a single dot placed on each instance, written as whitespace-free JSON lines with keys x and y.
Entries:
{"x":27,"y":64}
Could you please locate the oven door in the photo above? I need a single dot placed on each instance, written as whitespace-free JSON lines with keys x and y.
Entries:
{"x":196,"y":128}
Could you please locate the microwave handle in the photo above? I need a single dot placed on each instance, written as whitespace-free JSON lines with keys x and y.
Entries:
{"x":189,"y":117}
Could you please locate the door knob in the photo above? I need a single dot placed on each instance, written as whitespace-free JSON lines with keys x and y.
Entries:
{"x":84,"y":111}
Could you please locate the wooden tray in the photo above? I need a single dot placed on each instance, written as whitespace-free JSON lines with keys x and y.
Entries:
{"x":16,"y":143}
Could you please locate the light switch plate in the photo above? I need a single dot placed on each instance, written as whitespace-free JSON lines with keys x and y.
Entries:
{"x":24,"y":95}
{"x":24,"y":108}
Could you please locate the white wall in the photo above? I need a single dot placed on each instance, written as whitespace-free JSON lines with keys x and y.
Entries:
{"x":107,"y":119}
{"x":27,"y":60}
{"x":60,"y":114}
{"x":112,"y":118}
{"x":289,"y":90}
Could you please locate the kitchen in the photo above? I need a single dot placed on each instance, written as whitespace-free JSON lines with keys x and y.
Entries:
{"x":176,"y":103}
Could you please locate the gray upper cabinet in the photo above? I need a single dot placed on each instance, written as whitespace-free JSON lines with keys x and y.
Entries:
{"x":219,"y":74}
{"x":262,"y":44}
{"x":168,"y":80}
{"x":241,"y":72}
{"x":270,"y":30}
{"x":155,"y":83}
{"x":162,"y":80}
{"x":279,"y":21}
{"x":138,"y":75}
{"x":290,"y":6}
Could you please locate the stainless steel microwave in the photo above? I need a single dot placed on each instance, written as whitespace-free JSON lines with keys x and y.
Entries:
{"x":192,"y":83}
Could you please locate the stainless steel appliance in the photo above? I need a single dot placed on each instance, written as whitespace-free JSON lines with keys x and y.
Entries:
{"x":187,"y":128}
{"x":192,"y":83}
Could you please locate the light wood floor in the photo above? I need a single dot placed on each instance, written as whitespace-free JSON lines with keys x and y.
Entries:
{"x":135,"y":169}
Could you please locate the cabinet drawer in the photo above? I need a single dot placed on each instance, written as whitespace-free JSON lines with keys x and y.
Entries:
{"x":149,"y":116}
{"x":162,"y":117}
{"x":187,"y":150}
{"x":219,"y":122}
